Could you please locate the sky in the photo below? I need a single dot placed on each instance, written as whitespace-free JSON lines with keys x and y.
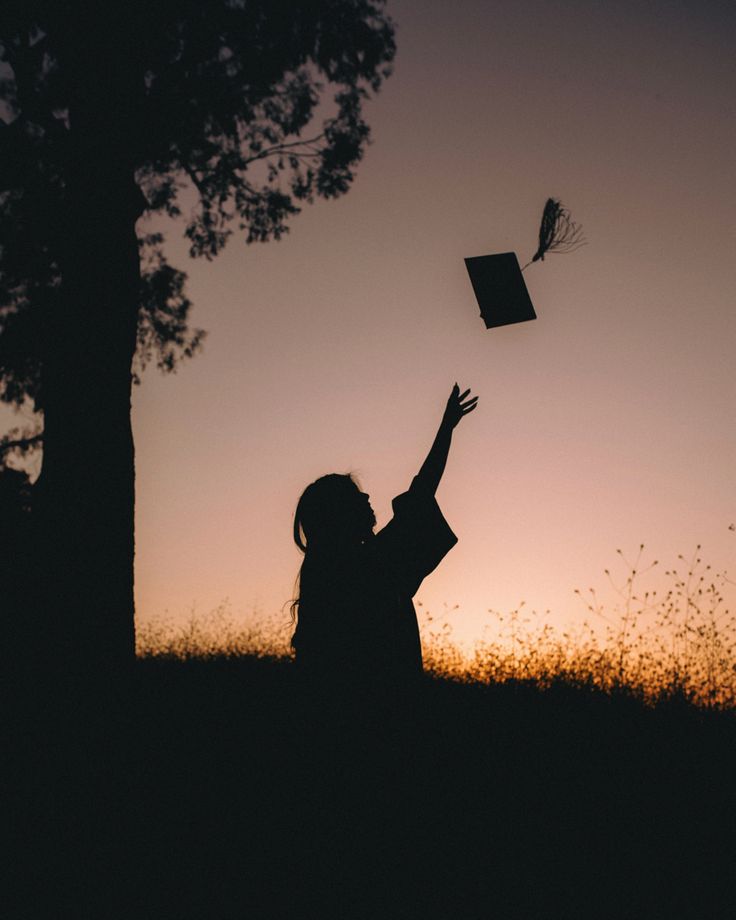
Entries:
{"x":606,"y":423}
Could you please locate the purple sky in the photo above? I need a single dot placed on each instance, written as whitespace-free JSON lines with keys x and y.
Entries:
{"x":606,"y":423}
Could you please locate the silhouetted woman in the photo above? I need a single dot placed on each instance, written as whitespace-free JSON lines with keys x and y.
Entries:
{"x":356,"y":624}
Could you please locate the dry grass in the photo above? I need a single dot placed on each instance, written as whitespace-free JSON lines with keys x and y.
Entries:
{"x":214,"y":635}
{"x":680,"y":642}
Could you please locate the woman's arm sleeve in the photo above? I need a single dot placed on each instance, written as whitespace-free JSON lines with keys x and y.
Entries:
{"x":417,"y":538}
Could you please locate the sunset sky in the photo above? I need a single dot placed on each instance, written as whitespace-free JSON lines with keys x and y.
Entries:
{"x":606,"y":423}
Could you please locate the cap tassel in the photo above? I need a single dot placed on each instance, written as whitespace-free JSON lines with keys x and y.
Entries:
{"x":558,"y":232}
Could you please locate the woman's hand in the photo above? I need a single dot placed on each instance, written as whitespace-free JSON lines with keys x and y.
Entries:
{"x":433,"y":467}
{"x":458,"y":405}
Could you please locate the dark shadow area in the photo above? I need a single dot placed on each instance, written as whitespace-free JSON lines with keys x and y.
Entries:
{"x":16,"y":559}
{"x":217,"y":790}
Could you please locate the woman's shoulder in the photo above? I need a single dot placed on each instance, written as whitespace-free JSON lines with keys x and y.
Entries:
{"x":417,"y":537}
{"x":416,"y":507}
{"x":416,"y":496}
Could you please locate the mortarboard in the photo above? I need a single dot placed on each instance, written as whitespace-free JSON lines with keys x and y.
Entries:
{"x":497,"y":280}
{"x":499,"y":289}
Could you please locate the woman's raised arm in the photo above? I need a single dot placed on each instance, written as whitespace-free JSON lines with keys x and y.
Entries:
{"x":458,"y":405}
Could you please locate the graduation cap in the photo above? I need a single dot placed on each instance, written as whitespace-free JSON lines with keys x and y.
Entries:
{"x":497,"y":279}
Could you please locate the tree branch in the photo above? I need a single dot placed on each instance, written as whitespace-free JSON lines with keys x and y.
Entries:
{"x":23,"y":60}
{"x":277,"y":149}
{"x":27,"y":443}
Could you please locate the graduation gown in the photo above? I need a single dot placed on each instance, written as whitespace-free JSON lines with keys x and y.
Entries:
{"x":357,"y":622}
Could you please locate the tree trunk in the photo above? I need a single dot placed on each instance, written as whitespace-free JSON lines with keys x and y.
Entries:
{"x":86,"y":489}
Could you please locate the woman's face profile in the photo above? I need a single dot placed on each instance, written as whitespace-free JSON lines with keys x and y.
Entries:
{"x":357,"y":517}
{"x":354,"y":517}
{"x":367,"y":515}
{"x":334,"y":512}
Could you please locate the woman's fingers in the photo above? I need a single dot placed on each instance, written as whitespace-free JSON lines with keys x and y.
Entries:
{"x":459,"y":405}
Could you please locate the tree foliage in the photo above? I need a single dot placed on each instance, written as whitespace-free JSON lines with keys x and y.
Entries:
{"x":250,"y":108}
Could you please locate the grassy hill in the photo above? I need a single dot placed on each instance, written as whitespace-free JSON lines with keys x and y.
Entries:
{"x":214,"y":789}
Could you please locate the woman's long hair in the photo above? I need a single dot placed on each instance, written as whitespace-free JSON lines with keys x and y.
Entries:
{"x":321,"y":521}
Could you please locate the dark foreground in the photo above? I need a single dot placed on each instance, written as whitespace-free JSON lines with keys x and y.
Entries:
{"x":209,"y":790}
